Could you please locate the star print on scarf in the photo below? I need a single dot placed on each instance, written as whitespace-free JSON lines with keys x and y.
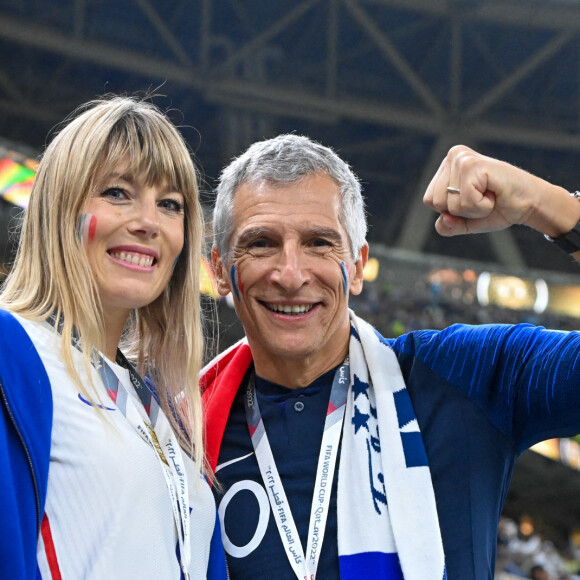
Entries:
{"x":387,"y":519}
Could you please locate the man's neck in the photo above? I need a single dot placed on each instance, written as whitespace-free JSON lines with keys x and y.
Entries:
{"x":297,"y":374}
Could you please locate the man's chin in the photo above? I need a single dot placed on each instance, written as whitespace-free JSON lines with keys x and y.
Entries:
{"x":294,"y":349}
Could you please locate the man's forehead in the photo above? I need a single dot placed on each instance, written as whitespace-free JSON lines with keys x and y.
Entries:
{"x":310,"y":191}
{"x":274,"y":183}
{"x":296,"y":208}
{"x":308,"y":184}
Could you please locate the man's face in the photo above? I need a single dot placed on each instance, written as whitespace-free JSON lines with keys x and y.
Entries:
{"x":291,"y":270}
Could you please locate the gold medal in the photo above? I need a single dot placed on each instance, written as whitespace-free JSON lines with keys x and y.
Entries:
{"x":156,"y":442}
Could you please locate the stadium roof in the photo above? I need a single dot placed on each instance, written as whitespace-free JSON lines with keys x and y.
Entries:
{"x":389,"y":84}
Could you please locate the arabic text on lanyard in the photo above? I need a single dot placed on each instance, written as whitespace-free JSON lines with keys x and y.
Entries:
{"x":304,"y":566}
{"x":160,"y":437}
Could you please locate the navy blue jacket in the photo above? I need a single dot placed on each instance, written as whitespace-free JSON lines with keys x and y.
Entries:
{"x":481,"y":395}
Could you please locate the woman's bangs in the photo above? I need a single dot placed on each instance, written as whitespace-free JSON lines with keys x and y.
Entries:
{"x":139,"y":147}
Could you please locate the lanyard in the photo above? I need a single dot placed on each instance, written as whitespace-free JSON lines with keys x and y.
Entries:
{"x":156,"y":431}
{"x":304,"y":566}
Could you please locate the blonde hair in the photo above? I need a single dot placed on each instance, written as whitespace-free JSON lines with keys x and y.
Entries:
{"x":51,"y":274}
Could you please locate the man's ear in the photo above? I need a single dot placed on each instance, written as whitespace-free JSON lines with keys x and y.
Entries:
{"x":356,"y":282}
{"x":223,"y":282}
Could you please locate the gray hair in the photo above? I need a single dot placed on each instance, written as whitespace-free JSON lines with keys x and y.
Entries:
{"x":280,"y":161}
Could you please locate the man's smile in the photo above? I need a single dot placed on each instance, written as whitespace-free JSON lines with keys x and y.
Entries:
{"x":289,"y":308}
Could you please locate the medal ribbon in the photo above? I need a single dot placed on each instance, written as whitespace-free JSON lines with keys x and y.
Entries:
{"x":155,"y":429}
{"x":304,"y":566}
{"x":157,"y":432}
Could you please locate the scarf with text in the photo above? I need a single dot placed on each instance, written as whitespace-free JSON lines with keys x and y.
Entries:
{"x":387,"y":517}
{"x":388,"y":527}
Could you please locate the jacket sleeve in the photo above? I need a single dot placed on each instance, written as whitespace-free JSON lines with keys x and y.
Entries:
{"x":525,"y":378}
{"x":25,"y":430}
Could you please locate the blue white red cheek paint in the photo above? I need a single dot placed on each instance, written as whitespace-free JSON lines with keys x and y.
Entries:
{"x":344,"y":269}
{"x":236,"y":281}
{"x":86,"y":227}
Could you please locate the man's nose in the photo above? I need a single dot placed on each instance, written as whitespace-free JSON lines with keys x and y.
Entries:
{"x":290,"y":272}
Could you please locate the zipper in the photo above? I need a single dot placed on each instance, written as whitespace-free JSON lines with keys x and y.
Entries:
{"x":28,"y":458}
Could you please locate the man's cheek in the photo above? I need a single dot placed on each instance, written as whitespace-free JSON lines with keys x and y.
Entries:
{"x":345,"y":269}
{"x":236,"y":280}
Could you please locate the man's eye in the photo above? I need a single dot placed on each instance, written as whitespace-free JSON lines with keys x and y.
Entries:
{"x":320,"y":243}
{"x":259,"y":244}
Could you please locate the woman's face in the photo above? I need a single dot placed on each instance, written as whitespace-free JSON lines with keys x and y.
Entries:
{"x":133,"y":234}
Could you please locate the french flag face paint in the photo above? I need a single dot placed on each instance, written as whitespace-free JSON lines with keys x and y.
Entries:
{"x":236,"y":281}
{"x":86,"y":227}
{"x":344,"y":269}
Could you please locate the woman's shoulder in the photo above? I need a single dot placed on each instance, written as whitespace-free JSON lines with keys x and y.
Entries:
{"x":20,"y":361}
{"x":10,"y":317}
{"x":10,"y":322}
{"x":32,"y":326}
{"x":17,"y":334}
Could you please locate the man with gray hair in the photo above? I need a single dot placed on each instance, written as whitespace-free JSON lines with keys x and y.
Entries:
{"x":339,"y":453}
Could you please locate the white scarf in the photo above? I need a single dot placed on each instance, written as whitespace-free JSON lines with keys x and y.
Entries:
{"x":386,"y":504}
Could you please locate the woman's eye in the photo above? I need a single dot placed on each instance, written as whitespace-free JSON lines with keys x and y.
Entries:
{"x":115,"y":193}
{"x":172,"y":205}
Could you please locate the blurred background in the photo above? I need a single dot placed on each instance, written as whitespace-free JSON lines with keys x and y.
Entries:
{"x":390,"y":85}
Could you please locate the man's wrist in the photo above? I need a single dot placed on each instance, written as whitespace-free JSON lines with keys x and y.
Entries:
{"x":570,"y":241}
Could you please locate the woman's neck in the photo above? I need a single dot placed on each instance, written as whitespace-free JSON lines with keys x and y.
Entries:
{"x":114,"y":326}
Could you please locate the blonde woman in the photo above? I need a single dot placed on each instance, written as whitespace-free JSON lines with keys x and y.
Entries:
{"x":102,"y":473}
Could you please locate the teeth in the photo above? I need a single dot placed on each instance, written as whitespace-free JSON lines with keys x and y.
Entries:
{"x":294,"y":309}
{"x":139,"y":259}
